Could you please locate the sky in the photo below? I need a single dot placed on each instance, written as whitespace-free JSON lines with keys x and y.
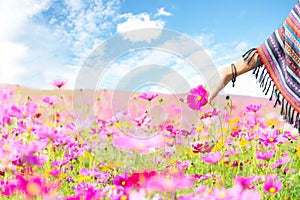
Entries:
{"x":46,"y":40}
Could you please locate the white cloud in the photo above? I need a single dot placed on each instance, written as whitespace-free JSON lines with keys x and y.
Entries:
{"x":15,"y":15}
{"x":162,"y":12}
{"x":139,"y":21}
{"x":46,"y":40}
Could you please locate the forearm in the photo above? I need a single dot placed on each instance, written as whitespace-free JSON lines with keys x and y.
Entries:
{"x":243,"y":65}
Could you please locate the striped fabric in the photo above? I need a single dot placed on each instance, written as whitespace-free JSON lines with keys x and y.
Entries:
{"x":280,"y":63}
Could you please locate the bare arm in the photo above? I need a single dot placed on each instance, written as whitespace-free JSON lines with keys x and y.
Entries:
{"x":242,"y":66}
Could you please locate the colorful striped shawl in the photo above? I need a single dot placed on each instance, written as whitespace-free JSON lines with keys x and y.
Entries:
{"x":280,"y":57}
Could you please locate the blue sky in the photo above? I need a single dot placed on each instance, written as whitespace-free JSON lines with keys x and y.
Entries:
{"x":47,"y":40}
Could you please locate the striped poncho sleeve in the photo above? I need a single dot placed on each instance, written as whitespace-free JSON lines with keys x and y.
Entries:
{"x":278,"y":70}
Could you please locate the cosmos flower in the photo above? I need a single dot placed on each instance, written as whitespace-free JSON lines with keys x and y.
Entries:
{"x":253,"y":108}
{"x":270,"y":136}
{"x":35,"y":186}
{"x":273,"y":186}
{"x":199,"y":147}
{"x":197,"y":98}
{"x":281,"y":161}
{"x":141,"y":121}
{"x":148,"y":96}
{"x":212,"y":157}
{"x":265,"y":155}
{"x":169,"y":183}
{"x":122,"y":180}
{"x":59,"y":83}
{"x":246,"y":182}
{"x":209,"y":114}
{"x":49,"y":100}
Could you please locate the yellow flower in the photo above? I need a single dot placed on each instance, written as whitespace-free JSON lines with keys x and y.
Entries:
{"x":199,"y":129}
{"x":82,"y":178}
{"x":234,"y":121}
{"x":62,"y":176}
{"x":298,"y":150}
{"x":243,"y":142}
{"x":124,"y":197}
{"x":218,"y":146}
{"x":135,"y":95}
{"x":271,"y":122}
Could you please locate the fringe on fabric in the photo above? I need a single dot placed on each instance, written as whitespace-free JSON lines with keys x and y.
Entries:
{"x":262,"y":76}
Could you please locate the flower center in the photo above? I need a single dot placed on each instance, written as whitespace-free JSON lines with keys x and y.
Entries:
{"x":271,"y":139}
{"x":272,"y":189}
{"x":123,"y":183}
{"x":199,"y":98}
{"x":123,"y":197}
{"x":33,"y":189}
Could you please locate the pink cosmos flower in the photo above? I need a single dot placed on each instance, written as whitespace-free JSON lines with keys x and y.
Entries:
{"x":209,"y":114}
{"x":270,"y":136}
{"x":141,"y":145}
{"x":212,"y":157}
{"x":5,"y":93}
{"x":265,"y":155}
{"x":86,"y":191}
{"x":103,"y":176}
{"x":24,"y":111}
{"x":169,"y":183}
{"x":35,"y":186}
{"x":122,"y":180}
{"x":148,"y":96}
{"x":202,"y":177}
{"x":273,"y":186}
{"x":197,"y":98}
{"x":288,"y":135}
{"x":49,"y":100}
{"x":246,"y":182}
{"x":141,"y":121}
{"x":253,"y":108}
{"x":8,"y":187}
{"x":281,"y":161}
{"x":199,"y":147}
{"x":59,"y":83}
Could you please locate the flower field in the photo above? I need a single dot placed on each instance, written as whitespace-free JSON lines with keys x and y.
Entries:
{"x":241,"y":149}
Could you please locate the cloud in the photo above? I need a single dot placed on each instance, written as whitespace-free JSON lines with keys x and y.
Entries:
{"x":139,"y":21}
{"x":15,"y":16}
{"x":46,"y":40}
{"x":162,"y":12}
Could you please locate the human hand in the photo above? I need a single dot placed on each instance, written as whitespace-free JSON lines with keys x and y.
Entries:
{"x":218,"y":82}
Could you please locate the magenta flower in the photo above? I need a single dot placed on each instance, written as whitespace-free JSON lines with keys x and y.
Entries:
{"x":103,"y":176}
{"x":35,"y":186}
{"x":273,"y":186}
{"x":289,"y":136}
{"x":253,"y":108}
{"x":202,"y":148}
{"x":169,"y":183}
{"x":86,"y":191}
{"x":141,"y":121}
{"x":265,"y":155}
{"x":197,"y":98}
{"x":209,"y":114}
{"x":212,"y":157}
{"x":59,"y":83}
{"x":49,"y":100}
{"x":141,"y":145}
{"x":122,"y":180}
{"x":246,"y":182}
{"x":281,"y":161}
{"x":8,"y":187}
{"x":148,"y":96}
{"x":270,"y":136}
